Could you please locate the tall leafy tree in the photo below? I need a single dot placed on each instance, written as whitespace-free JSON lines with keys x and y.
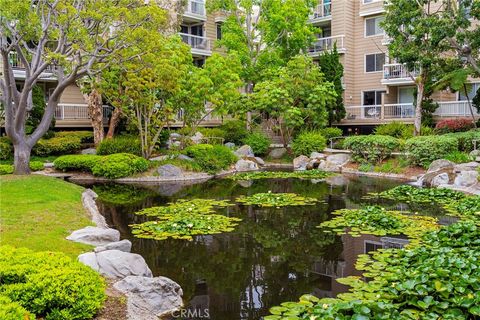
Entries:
{"x":68,"y":38}
{"x":332,"y":69}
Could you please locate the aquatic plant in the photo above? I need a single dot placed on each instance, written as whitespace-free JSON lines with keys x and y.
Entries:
{"x":270,"y":199}
{"x":468,"y":207}
{"x":195,"y":206}
{"x":409,"y":193}
{"x":378,"y":221}
{"x":308,"y":174}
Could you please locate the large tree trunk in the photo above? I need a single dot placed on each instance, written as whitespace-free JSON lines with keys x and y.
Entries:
{"x":95,"y":110}
{"x":114,"y":120}
{"x":418,"y":108}
{"x":21,"y":157}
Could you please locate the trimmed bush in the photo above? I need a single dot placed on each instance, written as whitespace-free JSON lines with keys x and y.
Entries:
{"x":10,"y":310}
{"x":57,"y":145}
{"x":77,"y":162}
{"x":307,"y":142}
{"x":6,"y":148}
{"x":36,"y":165}
{"x":258,"y":142}
{"x":234,"y":131}
{"x":401,"y":130}
{"x":49,"y":285}
{"x":6,"y":169}
{"x":84,"y":136}
{"x":454,"y":125}
{"x":211,"y":158}
{"x":423,"y":150}
{"x":119,"y":165}
{"x":331,"y":132}
{"x":120,"y":144}
{"x":371,"y":148}
{"x":465,"y":139}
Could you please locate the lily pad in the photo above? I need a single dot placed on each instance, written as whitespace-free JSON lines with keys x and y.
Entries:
{"x":276,"y":200}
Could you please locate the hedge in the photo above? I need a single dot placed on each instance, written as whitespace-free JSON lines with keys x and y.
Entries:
{"x":84,"y":136}
{"x":48,"y":285}
{"x":307,"y":142}
{"x":258,"y":142}
{"x":119,"y":165}
{"x":57,"y":146}
{"x":423,"y":150}
{"x":8,"y":168}
{"x":465,"y":139}
{"x":127,"y":144}
{"x":211,"y":158}
{"x":371,"y":148}
{"x":80,"y":162}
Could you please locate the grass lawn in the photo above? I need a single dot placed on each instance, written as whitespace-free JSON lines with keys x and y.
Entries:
{"x":38,"y":212}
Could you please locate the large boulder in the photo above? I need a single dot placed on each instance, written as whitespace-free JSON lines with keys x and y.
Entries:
{"x":440,"y":164}
{"x":469,"y":166}
{"x":430,"y":179}
{"x":466,"y":178}
{"x":150,"y":298}
{"x":441,"y":179}
{"x":169,"y":170}
{"x":339,"y":158}
{"x":123,"y":245}
{"x":244,"y":151}
{"x":300,"y":163}
{"x":230,"y":145}
{"x":246,"y":165}
{"x":197,"y":138}
{"x":184,"y":157}
{"x":95,"y":236}
{"x":277,"y":153}
{"x":116,"y":264}
{"x":89,"y":151}
{"x":317,"y":155}
{"x":258,"y":160}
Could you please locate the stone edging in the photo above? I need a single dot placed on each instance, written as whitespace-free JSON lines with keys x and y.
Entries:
{"x":88,"y":201}
{"x":379,"y":175}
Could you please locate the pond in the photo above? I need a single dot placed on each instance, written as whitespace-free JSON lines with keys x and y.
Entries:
{"x":274,"y":255}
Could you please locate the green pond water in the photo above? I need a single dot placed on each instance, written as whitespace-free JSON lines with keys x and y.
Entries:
{"x":274,"y":255}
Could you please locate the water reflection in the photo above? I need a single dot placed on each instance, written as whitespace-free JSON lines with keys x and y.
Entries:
{"x":274,"y":255}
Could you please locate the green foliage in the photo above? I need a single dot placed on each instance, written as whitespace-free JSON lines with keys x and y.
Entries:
{"x":195,"y":206}
{"x":77,"y":162}
{"x":119,"y":165}
{"x":186,"y":165}
{"x":57,"y":145}
{"x":6,"y":148}
{"x":259,"y":143}
{"x":121,"y":194}
{"x":395,"y":166}
{"x":10,"y":310}
{"x":84,"y":136}
{"x":458,"y":157}
{"x":423,"y":150}
{"x":407,"y":193}
{"x":468,"y":207}
{"x":36,"y":113}
{"x":330,"y":132}
{"x":119,"y":144}
{"x":465,"y":139}
{"x":211,"y":158}
{"x":277,"y":200}
{"x":378,"y":221}
{"x":6,"y":169}
{"x":371,"y":148}
{"x":36,"y":165}
{"x":308,"y":174}
{"x":400,"y":130}
{"x":307,"y":142}
{"x":365,"y":167}
{"x":49,"y":284}
{"x":212,"y":132}
{"x":234,"y":131}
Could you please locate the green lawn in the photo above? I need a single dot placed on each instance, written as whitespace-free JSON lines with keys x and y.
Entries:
{"x":38,"y":212}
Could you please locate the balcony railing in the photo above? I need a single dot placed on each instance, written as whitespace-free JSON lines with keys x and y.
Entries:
{"x":196,"y":7}
{"x":196,"y":42}
{"x":454,"y":109}
{"x":68,"y":111}
{"x":16,"y":63}
{"x":397,"y":71}
{"x":324,"y":44}
{"x":210,"y":117}
{"x":321,"y":11}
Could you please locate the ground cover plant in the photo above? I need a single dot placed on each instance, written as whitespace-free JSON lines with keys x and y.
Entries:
{"x":307,"y":174}
{"x":468,"y":207}
{"x":270,"y":199}
{"x":48,"y":285}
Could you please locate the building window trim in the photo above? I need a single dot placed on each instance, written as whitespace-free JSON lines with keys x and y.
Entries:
{"x":365,"y":62}
{"x":382,"y":34}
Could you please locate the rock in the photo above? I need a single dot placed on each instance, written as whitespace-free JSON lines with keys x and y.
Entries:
{"x":245,"y":183}
{"x":317,"y":155}
{"x":116,"y":264}
{"x":48,"y":165}
{"x":197,"y":138}
{"x":244,"y":152}
{"x":246,"y":165}
{"x":466,"y":178}
{"x":427,"y":178}
{"x":123,"y":245}
{"x":88,"y":201}
{"x":277,"y":153}
{"x":469,"y":166}
{"x":337,"y":180}
{"x":184,"y":157}
{"x":230,"y":145}
{"x":440,"y":164}
{"x":313,"y":164}
{"x":150,"y":298}
{"x":160,"y":158}
{"x":89,"y":151}
{"x":169,"y":170}
{"x":329,"y":166}
{"x":259,"y":161}
{"x":474,"y":154}
{"x":175,"y":135}
{"x":440,"y":179}
{"x":300,"y":163}
{"x":339,"y":159}
{"x":95,"y":236}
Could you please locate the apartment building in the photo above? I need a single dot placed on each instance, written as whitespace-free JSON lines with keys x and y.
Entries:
{"x":377,"y":90}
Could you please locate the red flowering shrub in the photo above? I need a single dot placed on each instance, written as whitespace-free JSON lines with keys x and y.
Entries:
{"x":454,"y":125}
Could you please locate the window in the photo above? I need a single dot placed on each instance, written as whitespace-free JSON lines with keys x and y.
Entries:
{"x":372,"y":26}
{"x":370,"y":1}
{"x":472,"y":89}
{"x":219,"y":30}
{"x":374,"y":62}
{"x":371,"y":246}
{"x":372,"y":98}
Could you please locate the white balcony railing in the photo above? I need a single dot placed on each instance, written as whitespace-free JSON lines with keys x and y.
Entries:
{"x":16,"y":63}
{"x":67,"y":111}
{"x":196,"y":42}
{"x":398,"y":111}
{"x":196,"y":7}
{"x":397,"y":71}
{"x":325,"y":44}
{"x":363,"y":112}
{"x":454,"y":109}
{"x":208,"y":116}
{"x":323,"y":10}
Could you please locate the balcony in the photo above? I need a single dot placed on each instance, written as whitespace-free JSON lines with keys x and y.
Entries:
{"x":208,"y":120}
{"x":201,"y":46}
{"x":448,"y":109}
{"x":19,"y":68}
{"x":397,"y":74}
{"x":326,"y":44}
{"x":321,"y":14}
{"x":195,"y":11}
{"x":76,"y":115}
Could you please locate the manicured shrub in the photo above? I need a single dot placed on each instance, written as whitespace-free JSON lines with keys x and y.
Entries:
{"x":119,"y":165}
{"x":211,"y":158}
{"x":331,"y":132}
{"x":307,"y":142}
{"x":6,"y":169}
{"x":77,"y":162}
{"x":454,"y":125}
{"x":6,"y":149}
{"x":36,"y":165}
{"x":234,"y":131}
{"x":49,"y":285}
{"x":57,"y":145}
{"x":401,"y":130}
{"x":212,"y":132}
{"x":84,"y":136}
{"x":10,"y":310}
{"x":423,"y":150}
{"x":258,"y":142}
{"x":465,"y":139}
{"x":371,"y":148}
{"x":127,"y":144}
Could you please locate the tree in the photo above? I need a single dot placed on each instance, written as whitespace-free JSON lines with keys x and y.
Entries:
{"x":68,"y":38}
{"x":417,"y":41}
{"x":332,"y":69}
{"x":296,"y":98}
